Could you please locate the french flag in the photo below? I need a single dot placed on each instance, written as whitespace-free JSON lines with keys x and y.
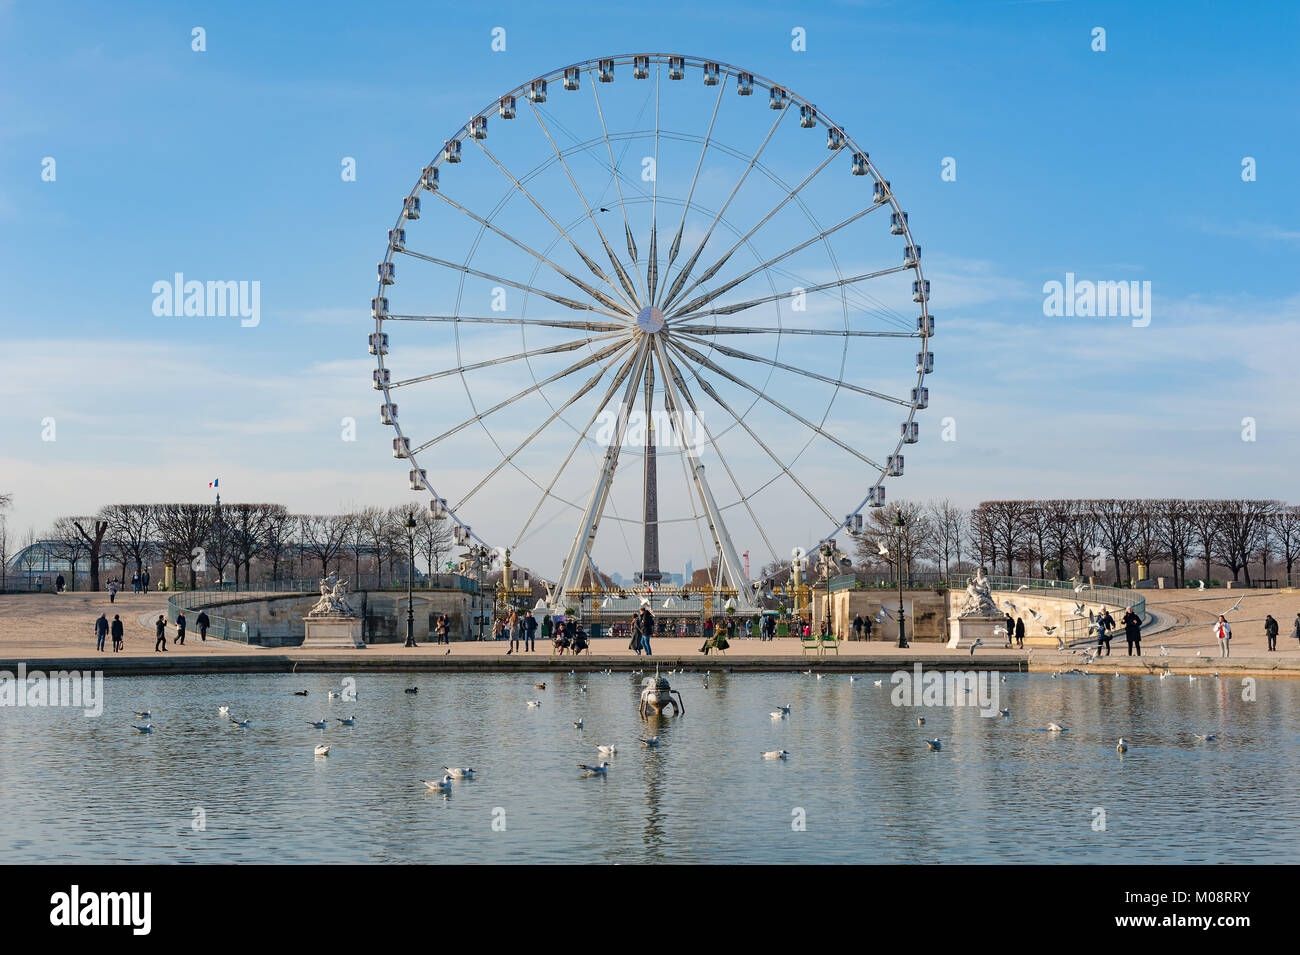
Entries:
{"x":214,"y":482}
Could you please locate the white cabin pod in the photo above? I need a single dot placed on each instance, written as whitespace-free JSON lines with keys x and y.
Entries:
{"x":387,"y":274}
{"x":712,"y":73}
{"x":379,"y":378}
{"x":411,"y":207}
{"x":876,"y":497}
{"x":605,"y":70}
{"x":895,"y":463}
{"x":745,"y":84}
{"x":777,"y":98}
{"x":478,"y":127}
{"x":417,"y":478}
{"x":921,"y":397}
{"x":640,"y":67}
{"x":388,"y":414}
{"x":898,"y":223}
{"x":506,"y":107}
{"x":921,"y":290}
{"x":860,"y":166}
{"x":909,"y":431}
{"x":379,"y":343}
{"x":429,"y":179}
{"x":571,"y":77}
{"x":807,"y":116}
{"x":911,"y":255}
{"x":881,"y":191}
{"x":925,"y":325}
{"x":834,"y":139}
{"x":537,"y":91}
{"x":401,"y":447}
{"x":925,"y":362}
{"x":397,"y":239}
{"x":676,"y":67}
{"x":379,"y":307}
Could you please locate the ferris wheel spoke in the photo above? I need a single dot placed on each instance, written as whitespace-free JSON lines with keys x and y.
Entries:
{"x":623,"y":278}
{"x":716,"y":267}
{"x":563,"y":373}
{"x":771,"y":362}
{"x":690,"y":193}
{"x":613,"y":168}
{"x":705,"y":362}
{"x":685,"y":271}
{"x":778,"y":330}
{"x":837,"y":283}
{"x":713,"y":442}
{"x":707,"y":297}
{"x":786,"y":469}
{"x":618,"y":379}
{"x":491,"y":362}
{"x":595,"y":269}
{"x":502,"y":320}
{"x":552,"y":296}
{"x":595,"y":293}
{"x":577,"y":396}
{"x":652,"y":259}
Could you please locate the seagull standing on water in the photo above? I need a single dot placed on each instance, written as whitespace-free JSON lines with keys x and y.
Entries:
{"x":319,"y":724}
{"x":1055,"y":728}
{"x":1121,"y":746}
{"x":347,"y":720}
{"x":322,"y":750}
{"x":598,"y":770}
{"x":934,"y":744}
{"x":456,"y":773}
{"x":144,"y":729}
{"x":776,"y":754}
{"x":143,"y":715}
{"x":610,"y":750}
{"x":243,"y":723}
{"x":437,"y":784}
{"x":649,"y":740}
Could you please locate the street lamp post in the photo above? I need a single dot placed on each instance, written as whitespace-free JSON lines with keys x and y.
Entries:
{"x":898,"y":559}
{"x":410,"y":580}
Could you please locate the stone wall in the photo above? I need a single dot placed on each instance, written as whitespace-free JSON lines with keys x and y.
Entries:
{"x":927,"y":620}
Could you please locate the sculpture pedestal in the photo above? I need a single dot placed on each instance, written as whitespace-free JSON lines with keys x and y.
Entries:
{"x":324,"y":633}
{"x":966,"y":630}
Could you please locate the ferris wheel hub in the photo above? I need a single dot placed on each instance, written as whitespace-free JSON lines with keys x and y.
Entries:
{"x":650,"y":320}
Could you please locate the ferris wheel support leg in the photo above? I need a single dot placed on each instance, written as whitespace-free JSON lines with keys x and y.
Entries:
{"x":731,"y":563}
{"x":579,"y":552}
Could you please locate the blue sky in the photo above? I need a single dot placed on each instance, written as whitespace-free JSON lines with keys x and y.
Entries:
{"x":1122,"y":165}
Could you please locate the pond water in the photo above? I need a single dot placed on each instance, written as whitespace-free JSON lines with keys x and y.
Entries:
{"x":859,"y":785}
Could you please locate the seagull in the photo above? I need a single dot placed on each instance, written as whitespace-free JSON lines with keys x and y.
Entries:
{"x":776,"y":754}
{"x":335,"y":694}
{"x":455,"y":773}
{"x":1190,"y":678}
{"x":319,"y":724}
{"x":820,"y":675}
{"x":583,"y":688}
{"x":785,"y":710}
{"x":807,"y":672}
{"x":1234,"y":606}
{"x":437,"y":784}
{"x":1022,"y":587}
{"x":539,"y":686}
{"x":649,"y":740}
{"x":347,"y":720}
{"x":978,"y":643}
{"x":1060,"y":643}
{"x":1201,"y":585}
{"x":1034,"y":614}
{"x":577,"y":724}
{"x":322,"y":750}
{"x":1010,"y":606}
{"x":610,"y":750}
{"x":533,"y":703}
{"x":1204,"y":737}
{"x":934,"y":744}
{"x":144,"y":715}
{"x":243,"y":723}
{"x":412,"y":689}
{"x":1055,"y":728}
{"x":920,"y":721}
{"x":1164,"y":674}
{"x":1078,"y":610}
{"x":878,"y":683}
{"x":1121,"y":746}
{"x":778,"y":715}
{"x":223,"y":710}
{"x":882,"y":548}
{"x":999,"y":631}
{"x":1049,"y":630}
{"x":600,"y":770}
{"x":144,"y":729}
{"x":1081,"y":588}
{"x":1005,"y":711}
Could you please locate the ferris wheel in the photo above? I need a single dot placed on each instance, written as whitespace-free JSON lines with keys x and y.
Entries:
{"x":642,"y":271}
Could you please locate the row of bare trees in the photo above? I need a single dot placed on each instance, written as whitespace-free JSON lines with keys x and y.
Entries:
{"x":1109,"y":537}
{"x":223,"y":542}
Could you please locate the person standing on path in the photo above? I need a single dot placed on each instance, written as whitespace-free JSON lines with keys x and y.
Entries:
{"x":647,"y":627}
{"x":58,"y":583}
{"x":1020,"y":633}
{"x":1223,"y":633}
{"x":1270,"y":631}
{"x":116,"y":631}
{"x":101,"y":631}
{"x":160,"y":628}
{"x":512,"y":625}
{"x":1011,"y":631}
{"x":1295,"y":628}
{"x":857,"y":627}
{"x":530,"y":632}
{"x":1103,"y":634}
{"x":180,"y":630}
{"x":203,"y":622}
{"x":135,"y":582}
{"x":634,"y":643}
{"x":1132,"y":631}
{"x":112,"y":591}
{"x":144,"y":582}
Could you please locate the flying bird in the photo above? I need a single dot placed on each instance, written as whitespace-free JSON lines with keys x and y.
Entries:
{"x":1022,"y":587}
{"x":978,"y":643}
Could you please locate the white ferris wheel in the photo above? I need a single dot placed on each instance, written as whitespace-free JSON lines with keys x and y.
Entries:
{"x":638,"y":314}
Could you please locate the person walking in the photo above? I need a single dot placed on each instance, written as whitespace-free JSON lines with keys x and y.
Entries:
{"x":203,"y":622}
{"x":1011,"y":631}
{"x":647,"y":621}
{"x":116,"y":631}
{"x":1020,"y":633}
{"x":512,"y":624}
{"x":1223,"y":633}
{"x":101,"y":631}
{"x":866,"y":628}
{"x":634,"y":641}
{"x":530,"y":632}
{"x":1295,"y":628}
{"x":1132,"y":631}
{"x":112,"y":591}
{"x":442,"y":629}
{"x":135,"y":582}
{"x":857,"y":627}
{"x":160,"y":628}
{"x":58,"y":583}
{"x":1270,"y":631}
{"x":180,"y":630}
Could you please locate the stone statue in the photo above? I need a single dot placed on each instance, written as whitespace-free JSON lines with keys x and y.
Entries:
{"x":979,"y":597}
{"x":333,"y":599}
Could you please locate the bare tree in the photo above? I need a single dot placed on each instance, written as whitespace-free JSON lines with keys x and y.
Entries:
{"x":1148,"y":541}
{"x":281,"y":540}
{"x":325,"y":537}
{"x":68,"y":544}
{"x":1204,"y":516}
{"x":949,"y":523}
{"x":1242,"y":528}
{"x":132,"y":531}
{"x":1286,"y":532}
{"x":5,"y":501}
{"x":1116,"y":526}
{"x":183,"y":531}
{"x":433,"y":539}
{"x":250,"y":530}
{"x":1177,"y":531}
{"x":92,"y":531}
